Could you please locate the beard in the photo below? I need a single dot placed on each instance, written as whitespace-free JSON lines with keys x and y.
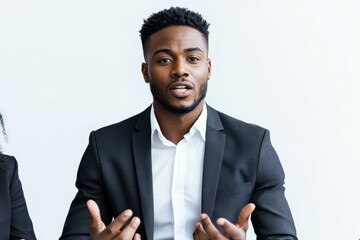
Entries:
{"x":157,"y":94}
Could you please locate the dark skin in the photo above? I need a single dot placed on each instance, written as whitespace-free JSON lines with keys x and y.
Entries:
{"x":177,"y":68}
{"x":98,"y":230}
{"x":205,"y":229}
{"x":177,"y":65}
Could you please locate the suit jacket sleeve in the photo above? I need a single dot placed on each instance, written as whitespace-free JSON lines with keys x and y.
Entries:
{"x":272,"y":218}
{"x":90,"y":186}
{"x":18,"y":224}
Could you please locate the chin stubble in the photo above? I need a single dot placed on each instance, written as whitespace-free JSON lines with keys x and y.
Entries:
{"x":178,"y":110}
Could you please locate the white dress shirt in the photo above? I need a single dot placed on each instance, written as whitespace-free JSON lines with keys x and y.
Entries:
{"x":177,"y":180}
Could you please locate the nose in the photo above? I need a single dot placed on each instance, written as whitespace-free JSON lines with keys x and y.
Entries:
{"x":179,"y":69}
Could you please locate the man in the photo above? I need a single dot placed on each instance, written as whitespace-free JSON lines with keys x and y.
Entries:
{"x":183,"y":169}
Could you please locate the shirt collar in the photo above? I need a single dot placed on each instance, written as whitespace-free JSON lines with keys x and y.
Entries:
{"x":199,"y":125}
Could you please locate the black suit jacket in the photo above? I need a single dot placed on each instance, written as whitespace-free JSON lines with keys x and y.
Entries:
{"x":240,"y":166}
{"x":15,"y":222}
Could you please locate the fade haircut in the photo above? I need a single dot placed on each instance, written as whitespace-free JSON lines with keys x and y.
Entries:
{"x":169,"y":17}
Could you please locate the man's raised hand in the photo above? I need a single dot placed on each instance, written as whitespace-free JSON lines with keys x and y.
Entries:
{"x":205,"y":229}
{"x":98,"y":230}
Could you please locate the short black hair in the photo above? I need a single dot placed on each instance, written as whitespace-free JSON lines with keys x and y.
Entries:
{"x":169,"y":17}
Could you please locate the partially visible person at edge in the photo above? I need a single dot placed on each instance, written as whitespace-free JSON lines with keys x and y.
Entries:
{"x":180,"y":169}
{"x":15,"y":222}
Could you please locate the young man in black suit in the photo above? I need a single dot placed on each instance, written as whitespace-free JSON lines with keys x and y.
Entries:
{"x":180,"y":169}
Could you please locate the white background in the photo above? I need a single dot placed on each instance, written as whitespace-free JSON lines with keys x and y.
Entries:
{"x":68,"y":67}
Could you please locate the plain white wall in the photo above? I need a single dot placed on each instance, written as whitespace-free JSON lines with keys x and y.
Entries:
{"x":68,"y":67}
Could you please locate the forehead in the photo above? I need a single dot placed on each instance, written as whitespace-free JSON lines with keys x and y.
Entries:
{"x":177,"y":38}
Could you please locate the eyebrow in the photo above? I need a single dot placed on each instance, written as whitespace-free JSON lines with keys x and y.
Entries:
{"x":167,"y":50}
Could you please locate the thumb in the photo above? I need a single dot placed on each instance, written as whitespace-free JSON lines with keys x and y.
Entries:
{"x":96,"y":223}
{"x":244,"y":216}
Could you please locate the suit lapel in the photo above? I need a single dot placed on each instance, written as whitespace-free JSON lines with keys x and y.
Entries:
{"x":142,"y":157}
{"x":214,"y":151}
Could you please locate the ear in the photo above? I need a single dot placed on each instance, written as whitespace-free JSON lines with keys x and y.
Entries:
{"x":209,"y":69}
{"x":144,"y":70}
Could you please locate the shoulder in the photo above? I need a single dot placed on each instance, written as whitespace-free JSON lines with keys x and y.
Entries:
{"x":234,"y":126}
{"x":8,"y":169}
{"x":125,"y":127}
{"x":7,"y":163}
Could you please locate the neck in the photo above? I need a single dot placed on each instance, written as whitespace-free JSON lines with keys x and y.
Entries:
{"x":174,"y":126}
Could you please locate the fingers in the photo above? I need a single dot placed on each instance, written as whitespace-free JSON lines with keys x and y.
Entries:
{"x":137,"y":237}
{"x":98,"y":230}
{"x":232,"y":231}
{"x":206,"y":229}
{"x":113,"y":229}
{"x":96,"y":224}
{"x":120,"y":220}
{"x":209,"y":229}
{"x":199,"y":233}
{"x":238,"y":231}
{"x":129,"y":231}
{"x":244,"y":216}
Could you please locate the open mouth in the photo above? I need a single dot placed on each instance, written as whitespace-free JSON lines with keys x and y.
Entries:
{"x":181,"y":89}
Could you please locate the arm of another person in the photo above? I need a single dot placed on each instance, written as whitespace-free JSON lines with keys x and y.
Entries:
{"x":21,"y":225}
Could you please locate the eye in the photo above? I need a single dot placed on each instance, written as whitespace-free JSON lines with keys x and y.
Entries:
{"x":193,"y":59}
{"x":165,"y":60}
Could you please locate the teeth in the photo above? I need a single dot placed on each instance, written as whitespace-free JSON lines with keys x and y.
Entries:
{"x":180,"y":89}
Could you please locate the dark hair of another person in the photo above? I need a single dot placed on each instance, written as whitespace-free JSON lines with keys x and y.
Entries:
{"x":3,"y":162}
{"x":169,"y":17}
